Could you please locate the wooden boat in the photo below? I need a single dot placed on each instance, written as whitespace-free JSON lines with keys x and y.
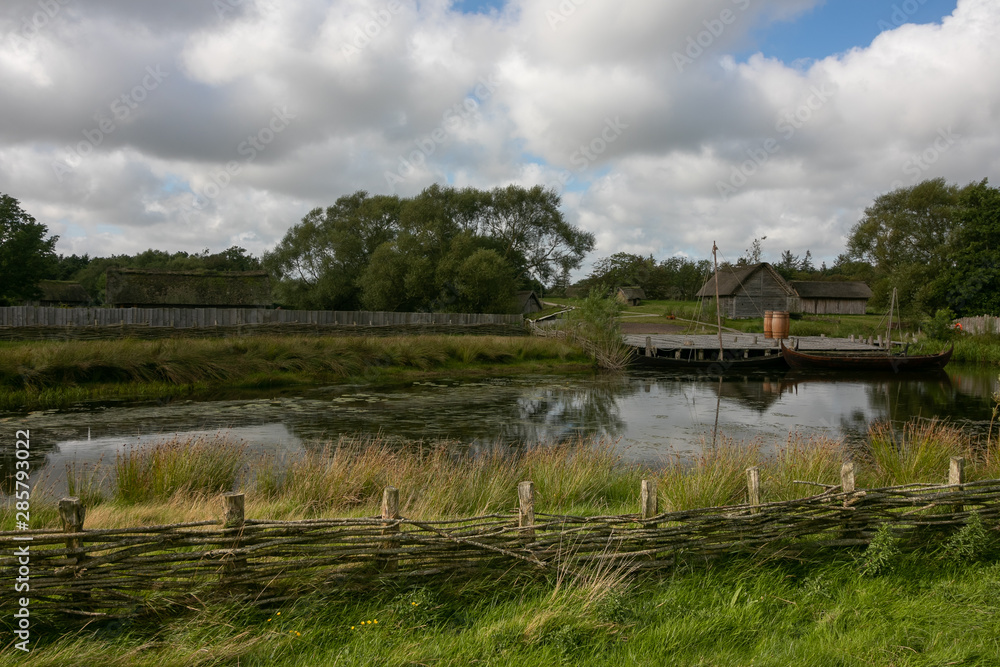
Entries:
{"x":729,"y":363}
{"x":876,"y":360}
{"x":725,"y":361}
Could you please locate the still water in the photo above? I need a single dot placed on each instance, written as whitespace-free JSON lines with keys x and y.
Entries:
{"x":650,"y":417}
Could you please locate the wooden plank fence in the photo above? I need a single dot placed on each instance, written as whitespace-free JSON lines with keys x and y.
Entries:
{"x":36,"y":322}
{"x":115,"y":572}
{"x":983,"y":324}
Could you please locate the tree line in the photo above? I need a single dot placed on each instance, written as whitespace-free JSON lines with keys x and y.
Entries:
{"x":469,"y":250}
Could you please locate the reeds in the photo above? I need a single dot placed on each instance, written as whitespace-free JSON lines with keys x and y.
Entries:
{"x":579,"y":477}
{"x":193,"y":466}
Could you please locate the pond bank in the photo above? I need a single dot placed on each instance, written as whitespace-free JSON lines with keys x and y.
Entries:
{"x":50,"y":374}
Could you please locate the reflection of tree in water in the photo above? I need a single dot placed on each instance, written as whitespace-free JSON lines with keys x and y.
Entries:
{"x":903,"y":399}
{"x":756,"y":393}
{"x":570,"y":411}
{"x":40,"y":444}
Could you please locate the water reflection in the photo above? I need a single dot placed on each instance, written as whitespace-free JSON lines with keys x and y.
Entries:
{"x":651,"y":415}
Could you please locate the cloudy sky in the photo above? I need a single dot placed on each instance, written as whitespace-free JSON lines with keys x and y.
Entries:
{"x":192,"y":124}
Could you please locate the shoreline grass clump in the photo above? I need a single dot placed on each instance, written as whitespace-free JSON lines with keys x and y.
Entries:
{"x":196,"y":466}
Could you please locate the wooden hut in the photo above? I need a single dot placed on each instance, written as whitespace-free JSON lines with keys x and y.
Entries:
{"x":187,"y":289}
{"x":631,"y":296}
{"x":748,"y":291}
{"x":527,"y":302}
{"x":61,"y":293}
{"x":831,"y":297}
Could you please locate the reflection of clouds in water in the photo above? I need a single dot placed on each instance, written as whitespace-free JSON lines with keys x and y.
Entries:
{"x":650,"y":416}
{"x":266,"y":439}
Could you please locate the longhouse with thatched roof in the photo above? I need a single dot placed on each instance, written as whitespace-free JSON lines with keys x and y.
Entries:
{"x":748,"y":291}
{"x":187,"y":289}
{"x":827,"y":297}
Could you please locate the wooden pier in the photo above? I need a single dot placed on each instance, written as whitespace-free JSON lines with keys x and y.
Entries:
{"x":753,"y":344}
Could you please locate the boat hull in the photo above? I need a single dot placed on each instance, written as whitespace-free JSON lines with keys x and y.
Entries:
{"x":728,"y":364}
{"x":877,"y":362}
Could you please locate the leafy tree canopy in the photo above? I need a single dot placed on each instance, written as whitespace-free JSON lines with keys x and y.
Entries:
{"x":26,"y":255}
{"x":389,"y":253}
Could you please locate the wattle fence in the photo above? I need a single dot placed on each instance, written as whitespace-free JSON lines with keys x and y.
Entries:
{"x":41,"y":322}
{"x":120,"y":572}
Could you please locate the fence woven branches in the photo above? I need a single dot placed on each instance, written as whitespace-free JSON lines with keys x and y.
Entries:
{"x":114,"y":572}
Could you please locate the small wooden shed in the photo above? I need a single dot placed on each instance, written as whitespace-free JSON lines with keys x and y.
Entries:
{"x":631,"y":296}
{"x":748,"y":291}
{"x":527,"y":302}
{"x":192,"y":289}
{"x":831,"y":297}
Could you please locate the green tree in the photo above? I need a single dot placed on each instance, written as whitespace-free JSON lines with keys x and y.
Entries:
{"x":904,"y":235}
{"x":26,"y":256}
{"x":970,"y":281}
{"x":529,"y":229}
{"x":623,"y":269}
{"x":485,"y":283}
{"x":319,"y":260}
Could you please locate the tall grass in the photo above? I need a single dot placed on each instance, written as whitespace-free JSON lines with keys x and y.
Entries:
{"x":173,"y":481}
{"x":193,"y":467}
{"x":435,"y":481}
{"x":51,"y":372}
{"x":920,"y":452}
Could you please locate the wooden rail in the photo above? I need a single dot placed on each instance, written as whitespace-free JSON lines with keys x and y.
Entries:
{"x":115,"y":572}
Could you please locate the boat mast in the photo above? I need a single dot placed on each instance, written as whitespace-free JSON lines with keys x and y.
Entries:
{"x":718,"y":316}
{"x":888,"y":333}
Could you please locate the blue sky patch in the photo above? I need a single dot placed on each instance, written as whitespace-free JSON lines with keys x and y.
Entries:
{"x":840,"y":25}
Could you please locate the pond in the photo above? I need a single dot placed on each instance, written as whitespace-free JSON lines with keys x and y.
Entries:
{"x":649,"y":417}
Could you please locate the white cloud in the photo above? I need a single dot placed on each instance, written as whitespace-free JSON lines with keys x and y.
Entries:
{"x":803,"y":148}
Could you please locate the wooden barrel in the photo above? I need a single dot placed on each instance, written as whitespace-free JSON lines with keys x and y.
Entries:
{"x":779,"y":324}
{"x":768,"y":314}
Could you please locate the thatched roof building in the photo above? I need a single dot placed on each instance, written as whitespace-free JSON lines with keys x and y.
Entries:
{"x":832,"y":297}
{"x":527,"y":302}
{"x":748,"y":291}
{"x":191,"y":289}
{"x":632,"y":296}
{"x":62,"y":293}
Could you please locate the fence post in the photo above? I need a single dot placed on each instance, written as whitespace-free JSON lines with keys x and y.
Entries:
{"x":649,"y":346}
{"x":649,"y":501}
{"x":956,"y":476}
{"x":390,"y":513}
{"x":72,"y":513}
{"x":233,"y":523}
{"x":526,"y":502}
{"x":847,"y":477}
{"x":753,"y":488}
